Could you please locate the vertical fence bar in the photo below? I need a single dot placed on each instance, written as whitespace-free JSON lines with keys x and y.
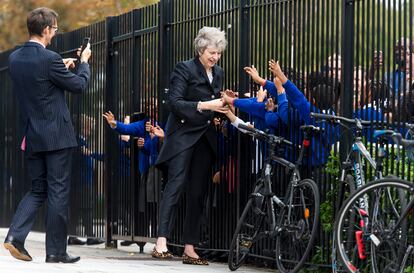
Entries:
{"x":348,"y":63}
{"x":244,"y":33}
{"x":165,"y":55}
{"x":110,"y":104}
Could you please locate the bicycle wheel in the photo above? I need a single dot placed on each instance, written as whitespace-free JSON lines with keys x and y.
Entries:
{"x":372,"y":247}
{"x":247,"y":230}
{"x":390,"y":204}
{"x":297,"y":226}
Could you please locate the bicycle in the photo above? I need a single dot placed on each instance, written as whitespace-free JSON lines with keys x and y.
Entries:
{"x":292,"y":221}
{"x":385,"y":243}
{"x":352,"y":172}
{"x":409,"y":134}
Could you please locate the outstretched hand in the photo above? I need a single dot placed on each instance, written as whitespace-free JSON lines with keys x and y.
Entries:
{"x":230,"y":93}
{"x":157,"y":131}
{"x":214,"y":105}
{"x":110,"y":118}
{"x":252,"y":71}
{"x":226,"y":98}
{"x":222,"y":109}
{"x":274,"y":67}
{"x":261,"y":95}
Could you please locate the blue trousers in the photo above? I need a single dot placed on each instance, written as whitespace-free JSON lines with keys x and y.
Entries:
{"x":50,"y":178}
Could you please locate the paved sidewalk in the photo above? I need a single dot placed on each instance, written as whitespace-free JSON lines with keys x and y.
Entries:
{"x":97,"y":259}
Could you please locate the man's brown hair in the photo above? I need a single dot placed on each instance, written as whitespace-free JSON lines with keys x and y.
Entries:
{"x":40,"y":18}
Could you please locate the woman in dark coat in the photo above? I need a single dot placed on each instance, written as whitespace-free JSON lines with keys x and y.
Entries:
{"x":189,"y":147}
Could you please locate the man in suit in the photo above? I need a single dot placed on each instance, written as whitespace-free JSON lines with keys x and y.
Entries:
{"x":40,"y":77}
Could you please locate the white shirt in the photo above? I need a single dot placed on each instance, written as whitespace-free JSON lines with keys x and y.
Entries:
{"x":210,"y":76}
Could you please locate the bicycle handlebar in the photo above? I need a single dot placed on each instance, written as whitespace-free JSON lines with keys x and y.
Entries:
{"x":246,"y":128}
{"x":338,"y":119}
{"x":406,"y":143}
{"x":264,"y":136}
{"x":312,"y":129}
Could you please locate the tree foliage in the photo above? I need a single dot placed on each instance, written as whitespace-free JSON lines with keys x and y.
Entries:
{"x":72,"y":15}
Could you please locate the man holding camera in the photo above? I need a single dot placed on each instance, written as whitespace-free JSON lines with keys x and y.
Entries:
{"x":40,"y":77}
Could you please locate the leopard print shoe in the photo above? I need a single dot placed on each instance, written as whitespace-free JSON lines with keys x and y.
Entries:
{"x":161,"y":255}
{"x":196,"y":261}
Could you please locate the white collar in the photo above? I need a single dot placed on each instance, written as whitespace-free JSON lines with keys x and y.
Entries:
{"x":34,"y":41}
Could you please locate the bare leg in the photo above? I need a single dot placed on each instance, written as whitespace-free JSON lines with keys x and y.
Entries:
{"x":161,"y":244}
{"x":189,"y":251}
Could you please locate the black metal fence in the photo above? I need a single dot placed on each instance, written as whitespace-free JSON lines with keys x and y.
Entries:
{"x":133,"y":56}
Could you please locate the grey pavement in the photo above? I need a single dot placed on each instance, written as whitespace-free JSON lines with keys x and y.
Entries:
{"x":97,"y":259}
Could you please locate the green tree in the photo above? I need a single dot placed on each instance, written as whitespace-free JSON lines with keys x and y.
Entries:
{"x":72,"y":15}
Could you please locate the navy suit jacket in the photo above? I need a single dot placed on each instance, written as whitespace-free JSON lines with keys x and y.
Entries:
{"x":185,"y":126}
{"x":40,"y":79}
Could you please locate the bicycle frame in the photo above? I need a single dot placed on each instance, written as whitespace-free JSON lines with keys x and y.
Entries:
{"x":268,"y":216}
{"x":294,"y":176}
{"x":354,"y":161}
{"x":358,"y":152}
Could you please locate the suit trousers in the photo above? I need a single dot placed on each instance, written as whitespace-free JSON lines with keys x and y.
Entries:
{"x":190,"y":171}
{"x":50,"y":176}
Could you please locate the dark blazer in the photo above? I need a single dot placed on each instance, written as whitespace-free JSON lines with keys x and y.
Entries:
{"x":189,"y":84}
{"x":40,"y":79}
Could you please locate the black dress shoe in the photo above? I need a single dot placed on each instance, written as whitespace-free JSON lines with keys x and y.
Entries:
{"x":94,"y":241}
{"x":127,"y":243}
{"x":66,"y":259}
{"x":17,"y":249}
{"x":75,"y":241}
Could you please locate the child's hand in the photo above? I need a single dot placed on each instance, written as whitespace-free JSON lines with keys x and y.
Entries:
{"x":254,"y":74}
{"x":277,"y":71}
{"x":148,"y":127}
{"x":230,"y":93}
{"x":226,"y":98}
{"x":274,"y":67}
{"x":270,"y":105}
{"x":141,"y":143}
{"x":110,"y":118}
{"x":261,"y":95}
{"x":157,"y":131}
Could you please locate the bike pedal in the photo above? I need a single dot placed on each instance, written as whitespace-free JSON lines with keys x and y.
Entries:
{"x":246,"y":244}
